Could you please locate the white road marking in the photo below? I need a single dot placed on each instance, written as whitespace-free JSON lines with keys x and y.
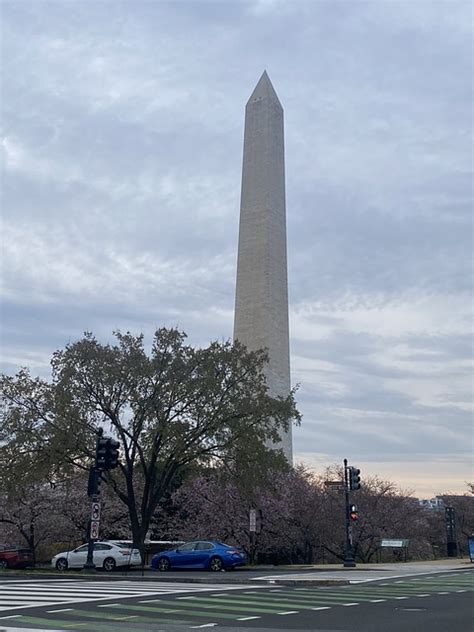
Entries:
{"x":350,"y":604}
{"x":377,"y":600}
{"x":61,"y":610}
{"x":322,"y":608}
{"x":289,"y":612}
{"x":23,"y":594}
{"x":247,"y":618}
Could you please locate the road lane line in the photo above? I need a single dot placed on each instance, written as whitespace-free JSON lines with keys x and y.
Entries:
{"x":289,"y":612}
{"x":61,"y":610}
{"x":349,"y":604}
{"x":247,"y":618}
{"x":322,"y":608}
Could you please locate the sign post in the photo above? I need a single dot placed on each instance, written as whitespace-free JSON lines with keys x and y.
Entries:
{"x":252,"y":533}
{"x":94,"y":521}
{"x":253,"y":521}
{"x":450,"y":518}
{"x":106,"y":458}
{"x":349,"y":554}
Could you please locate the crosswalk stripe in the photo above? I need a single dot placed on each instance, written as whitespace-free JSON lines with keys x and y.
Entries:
{"x":28,"y":594}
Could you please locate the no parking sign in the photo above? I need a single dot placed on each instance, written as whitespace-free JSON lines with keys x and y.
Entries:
{"x":94,"y":530}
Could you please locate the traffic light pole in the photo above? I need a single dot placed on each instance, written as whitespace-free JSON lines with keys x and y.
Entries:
{"x":89,"y":565}
{"x":348,"y":554}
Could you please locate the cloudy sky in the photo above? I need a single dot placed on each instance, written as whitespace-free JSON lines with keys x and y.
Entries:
{"x":122,"y":149}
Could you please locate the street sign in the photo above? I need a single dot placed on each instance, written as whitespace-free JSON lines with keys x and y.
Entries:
{"x":95,"y":515}
{"x":253,"y":520}
{"x":336,"y":485}
{"x":94,"y":529}
{"x":394,"y":544}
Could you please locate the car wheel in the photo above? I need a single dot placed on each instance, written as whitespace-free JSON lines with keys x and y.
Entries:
{"x":3,"y":564}
{"x":61,"y":564}
{"x":163,"y":564}
{"x":215,"y":564}
{"x":109,"y":564}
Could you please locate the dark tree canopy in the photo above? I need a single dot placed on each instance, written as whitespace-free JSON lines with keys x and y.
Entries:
{"x":173,"y":408}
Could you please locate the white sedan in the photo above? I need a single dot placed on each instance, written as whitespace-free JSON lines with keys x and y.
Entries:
{"x":107,"y":555}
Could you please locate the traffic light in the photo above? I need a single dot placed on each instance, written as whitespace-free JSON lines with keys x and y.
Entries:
{"x":354,"y":478}
{"x":101,"y":453}
{"x":107,"y":453}
{"x":112,"y":454}
{"x":93,"y":485}
{"x":353,"y":513}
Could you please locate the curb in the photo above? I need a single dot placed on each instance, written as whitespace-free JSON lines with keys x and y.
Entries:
{"x":212,"y":579}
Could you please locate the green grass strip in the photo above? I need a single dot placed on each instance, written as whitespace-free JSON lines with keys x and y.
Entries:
{"x":58,"y":623}
{"x":285,"y":603}
{"x":441,"y":583}
{"x":346,"y":596}
{"x":302,"y":600}
{"x":199,"y":602}
{"x":218,"y":615}
{"x":124,"y":618}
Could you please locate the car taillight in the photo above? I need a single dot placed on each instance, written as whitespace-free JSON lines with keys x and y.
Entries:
{"x":234,"y":552}
{"x":125,"y":552}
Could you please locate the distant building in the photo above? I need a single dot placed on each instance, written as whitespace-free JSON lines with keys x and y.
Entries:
{"x":433,"y":504}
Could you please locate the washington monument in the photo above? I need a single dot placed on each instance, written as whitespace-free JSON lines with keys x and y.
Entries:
{"x":261,"y":304}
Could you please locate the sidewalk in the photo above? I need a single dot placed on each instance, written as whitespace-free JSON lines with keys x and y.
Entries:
{"x":317,"y":574}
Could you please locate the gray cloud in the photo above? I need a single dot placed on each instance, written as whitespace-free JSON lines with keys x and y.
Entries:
{"x":122,"y":144}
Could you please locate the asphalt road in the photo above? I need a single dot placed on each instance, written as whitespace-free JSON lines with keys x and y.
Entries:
{"x":437,"y":601}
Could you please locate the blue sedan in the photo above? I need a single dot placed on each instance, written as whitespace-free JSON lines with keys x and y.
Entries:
{"x":209,"y":554}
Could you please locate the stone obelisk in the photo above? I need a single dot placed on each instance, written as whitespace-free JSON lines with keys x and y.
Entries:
{"x":261,"y":305}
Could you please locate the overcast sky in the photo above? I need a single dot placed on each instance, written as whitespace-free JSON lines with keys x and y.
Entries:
{"x":122,"y":145}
